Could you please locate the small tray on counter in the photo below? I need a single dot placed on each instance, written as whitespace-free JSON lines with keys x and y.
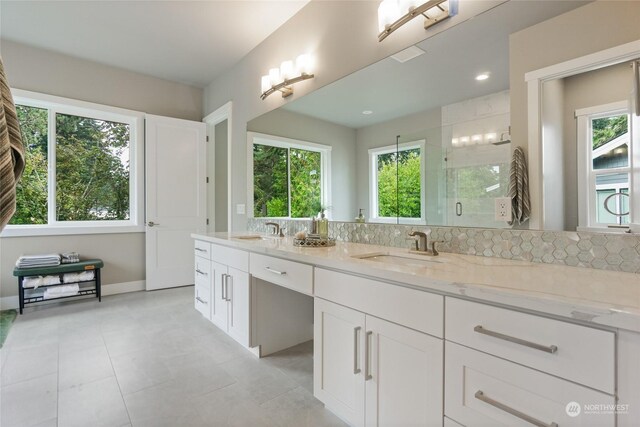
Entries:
{"x":314,"y":242}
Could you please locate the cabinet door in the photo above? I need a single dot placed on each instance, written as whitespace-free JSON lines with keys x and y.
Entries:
{"x":403,"y":376}
{"x":218,"y":303}
{"x":237,"y":294}
{"x":338,"y":379}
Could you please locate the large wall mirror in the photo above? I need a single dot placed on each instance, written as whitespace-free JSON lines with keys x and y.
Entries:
{"x":421,"y":137}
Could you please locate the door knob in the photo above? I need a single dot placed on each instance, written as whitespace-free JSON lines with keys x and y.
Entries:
{"x":151,"y":223}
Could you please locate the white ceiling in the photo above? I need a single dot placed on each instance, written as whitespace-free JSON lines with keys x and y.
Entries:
{"x":190,"y":42}
{"x":445,"y":74}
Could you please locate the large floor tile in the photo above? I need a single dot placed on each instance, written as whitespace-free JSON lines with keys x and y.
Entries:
{"x":138,"y":370}
{"x":29,"y":403}
{"x":84,"y":366}
{"x":232,"y":407}
{"x":27,"y":363}
{"x":155,"y":405}
{"x":298,"y":408}
{"x":94,"y":404}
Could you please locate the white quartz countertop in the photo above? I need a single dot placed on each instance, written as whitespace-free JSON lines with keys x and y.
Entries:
{"x":607,"y":298}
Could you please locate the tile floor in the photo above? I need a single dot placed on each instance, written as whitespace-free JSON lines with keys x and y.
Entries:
{"x":147,"y":359}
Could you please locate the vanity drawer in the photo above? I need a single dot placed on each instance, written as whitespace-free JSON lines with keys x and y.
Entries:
{"x":234,"y":258}
{"x":203,"y":300}
{"x":483,"y":390}
{"x":419,"y":310}
{"x":202,"y":271}
{"x":290,"y":274}
{"x":203,"y":249}
{"x":578,"y":353}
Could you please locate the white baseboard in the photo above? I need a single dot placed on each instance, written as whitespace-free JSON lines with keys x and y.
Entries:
{"x":123,"y":287}
{"x":7,"y":303}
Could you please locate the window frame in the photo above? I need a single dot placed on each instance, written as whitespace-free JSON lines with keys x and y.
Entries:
{"x":59,"y":105}
{"x":289,"y":143}
{"x":587,"y":209}
{"x":373,"y":182}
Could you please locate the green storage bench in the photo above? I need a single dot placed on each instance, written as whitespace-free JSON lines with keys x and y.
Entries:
{"x":35,"y":296}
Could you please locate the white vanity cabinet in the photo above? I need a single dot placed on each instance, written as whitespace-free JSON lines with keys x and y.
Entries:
{"x":223,"y":288}
{"x":371,"y":371}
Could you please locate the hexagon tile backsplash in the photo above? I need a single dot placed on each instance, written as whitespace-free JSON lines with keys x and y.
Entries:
{"x":618,"y":252}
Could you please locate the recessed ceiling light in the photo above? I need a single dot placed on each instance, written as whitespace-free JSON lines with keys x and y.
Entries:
{"x":367,"y":112}
{"x":482,"y":76}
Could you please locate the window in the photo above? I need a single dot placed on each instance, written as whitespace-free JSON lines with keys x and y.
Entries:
{"x":81,"y":169}
{"x":604,"y":165}
{"x":290,"y":178}
{"x":397,"y":173}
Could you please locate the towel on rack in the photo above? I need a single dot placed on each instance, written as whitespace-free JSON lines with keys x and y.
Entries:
{"x":35,"y":281}
{"x":77,"y":277}
{"x":61,"y":291}
{"x":11,"y":151}
{"x":519,"y":188}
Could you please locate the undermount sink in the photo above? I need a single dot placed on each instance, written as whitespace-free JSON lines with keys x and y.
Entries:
{"x":253,"y":237}
{"x":400,"y":259}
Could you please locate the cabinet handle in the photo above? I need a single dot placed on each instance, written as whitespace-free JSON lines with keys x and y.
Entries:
{"x":528,"y":418}
{"x":227,"y":286}
{"x":271,"y":270}
{"x":201,"y":250}
{"x":222,"y":287}
{"x":356,"y":346}
{"x":367,"y":356}
{"x":546,"y":348}
{"x":201,"y":272}
{"x":201,"y":300}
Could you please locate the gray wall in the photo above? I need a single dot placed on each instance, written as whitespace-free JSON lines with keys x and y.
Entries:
{"x":42,"y":71}
{"x":579,"y":32}
{"x":342,"y":139}
{"x":342,"y":36}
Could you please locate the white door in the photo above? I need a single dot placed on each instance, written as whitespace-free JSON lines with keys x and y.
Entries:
{"x":238,"y":297}
{"x":403,"y":384}
{"x":338,"y":371}
{"x":219,"y":306}
{"x":175,"y":198}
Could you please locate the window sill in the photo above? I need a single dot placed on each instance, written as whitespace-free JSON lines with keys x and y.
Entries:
{"x":48,"y":230}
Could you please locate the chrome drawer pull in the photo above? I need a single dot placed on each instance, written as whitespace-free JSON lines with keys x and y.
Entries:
{"x":201,"y":250}
{"x":546,"y":348}
{"x":223,"y":287}
{"x":275,"y":271}
{"x":356,"y":333}
{"x":201,"y":300}
{"x":480,"y":396}
{"x":201,"y":272}
{"x":367,"y":357}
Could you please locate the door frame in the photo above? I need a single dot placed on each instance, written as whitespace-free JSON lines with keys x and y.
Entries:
{"x":219,"y":115}
{"x":535,"y":80}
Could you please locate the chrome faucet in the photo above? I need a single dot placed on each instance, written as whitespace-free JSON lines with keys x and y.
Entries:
{"x":276,"y":227}
{"x":422,"y":244}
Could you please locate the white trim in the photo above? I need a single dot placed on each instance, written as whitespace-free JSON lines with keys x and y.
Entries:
{"x":134,"y":119}
{"x":123,"y":287}
{"x":221,"y":114}
{"x":282,"y":142}
{"x":604,"y":109}
{"x":535,"y":80}
{"x":8,"y":303}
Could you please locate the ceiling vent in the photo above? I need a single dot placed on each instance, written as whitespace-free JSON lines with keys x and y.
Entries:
{"x":408,"y":54}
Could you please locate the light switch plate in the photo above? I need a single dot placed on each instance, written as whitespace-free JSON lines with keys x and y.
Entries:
{"x":503,"y":209}
{"x":240,"y":209}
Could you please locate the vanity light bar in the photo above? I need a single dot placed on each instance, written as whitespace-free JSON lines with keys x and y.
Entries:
{"x":434,"y":11}
{"x":478,"y":139}
{"x":281,"y":79}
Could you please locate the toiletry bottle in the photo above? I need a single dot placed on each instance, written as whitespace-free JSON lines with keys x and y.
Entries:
{"x":314,"y":225}
{"x":323,"y":226}
{"x":360,"y":217}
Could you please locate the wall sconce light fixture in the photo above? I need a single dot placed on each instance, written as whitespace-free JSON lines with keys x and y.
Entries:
{"x":393,"y":14}
{"x":281,"y":79}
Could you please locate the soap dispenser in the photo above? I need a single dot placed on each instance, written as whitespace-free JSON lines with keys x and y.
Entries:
{"x":323,"y":226}
{"x":360,"y":217}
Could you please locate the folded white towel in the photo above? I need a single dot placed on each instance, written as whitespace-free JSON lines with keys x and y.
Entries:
{"x":33,"y":261}
{"x":36,"y":281}
{"x":61,"y":291}
{"x":78,"y":277}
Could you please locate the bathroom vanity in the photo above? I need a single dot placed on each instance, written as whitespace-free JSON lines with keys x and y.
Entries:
{"x":448,"y":340}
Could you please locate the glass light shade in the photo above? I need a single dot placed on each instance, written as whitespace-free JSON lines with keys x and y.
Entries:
{"x":274,"y":76}
{"x":265,"y":83}
{"x":388,"y":13}
{"x":304,"y":64}
{"x":455,"y":142}
{"x":476,"y":138}
{"x":405,"y":6}
{"x":490,"y":137}
{"x":286,"y":70}
{"x":464,"y":140}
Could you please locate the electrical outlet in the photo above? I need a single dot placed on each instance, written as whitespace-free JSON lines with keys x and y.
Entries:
{"x":240,"y":209}
{"x":503,"y":208}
